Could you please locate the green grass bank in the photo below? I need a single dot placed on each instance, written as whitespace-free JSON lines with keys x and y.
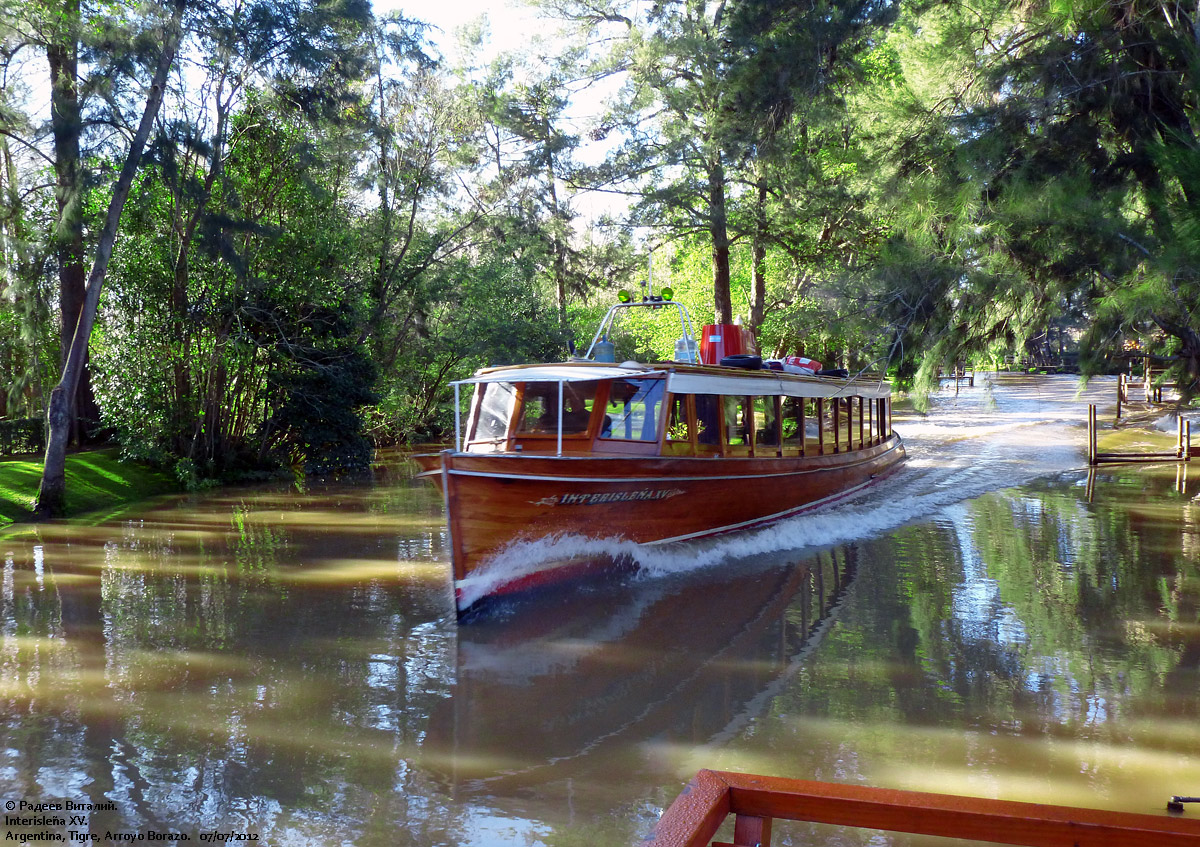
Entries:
{"x":96,"y":480}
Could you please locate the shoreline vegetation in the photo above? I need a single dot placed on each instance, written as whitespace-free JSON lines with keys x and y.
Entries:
{"x":97,"y":480}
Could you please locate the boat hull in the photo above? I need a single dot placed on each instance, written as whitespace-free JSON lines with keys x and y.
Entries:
{"x":518,"y":522}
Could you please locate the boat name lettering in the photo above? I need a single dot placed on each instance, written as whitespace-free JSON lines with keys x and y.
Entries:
{"x":607,"y":497}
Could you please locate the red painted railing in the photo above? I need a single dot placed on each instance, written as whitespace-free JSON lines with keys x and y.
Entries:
{"x":699,"y":811}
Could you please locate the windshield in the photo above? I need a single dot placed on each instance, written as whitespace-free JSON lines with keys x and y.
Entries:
{"x":633,"y":408}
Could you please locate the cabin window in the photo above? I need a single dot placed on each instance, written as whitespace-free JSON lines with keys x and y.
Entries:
{"x":766,"y":419}
{"x":738,"y":425}
{"x":678,"y":439}
{"x":708,"y":426}
{"x":539,"y":408}
{"x":801,"y":426}
{"x":495,"y":411}
{"x":794,"y":423}
{"x":633,"y":409}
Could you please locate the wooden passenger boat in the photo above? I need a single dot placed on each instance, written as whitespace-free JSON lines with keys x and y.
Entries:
{"x":560,"y":468}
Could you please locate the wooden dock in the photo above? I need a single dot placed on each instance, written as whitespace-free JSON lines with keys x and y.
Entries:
{"x":960,"y":375}
{"x":1150,"y":384}
{"x":1181,"y":453}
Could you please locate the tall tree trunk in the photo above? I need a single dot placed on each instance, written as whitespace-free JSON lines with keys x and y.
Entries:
{"x":557,"y":246}
{"x":51,"y":500}
{"x":718,"y":227}
{"x":62,"y":55}
{"x":758,"y":258}
{"x":181,"y":344}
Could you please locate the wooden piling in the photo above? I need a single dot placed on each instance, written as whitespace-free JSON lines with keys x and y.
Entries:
{"x":1092,"y":457}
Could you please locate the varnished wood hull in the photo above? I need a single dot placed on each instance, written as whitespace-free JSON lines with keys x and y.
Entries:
{"x":519,"y":521}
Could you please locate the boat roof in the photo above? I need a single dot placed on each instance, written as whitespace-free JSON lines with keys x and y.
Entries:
{"x":691,"y":379}
{"x":562,"y":372}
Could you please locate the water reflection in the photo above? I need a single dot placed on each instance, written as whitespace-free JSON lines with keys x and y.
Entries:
{"x":287,"y":663}
{"x":590,"y":674}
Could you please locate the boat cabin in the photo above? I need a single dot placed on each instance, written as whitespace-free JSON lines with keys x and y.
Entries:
{"x":670,"y":410}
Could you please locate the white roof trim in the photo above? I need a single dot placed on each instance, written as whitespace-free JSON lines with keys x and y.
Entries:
{"x":768,"y":383}
{"x":560,"y":373}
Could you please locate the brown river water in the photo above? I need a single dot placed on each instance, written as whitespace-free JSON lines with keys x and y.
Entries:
{"x":284,"y":662}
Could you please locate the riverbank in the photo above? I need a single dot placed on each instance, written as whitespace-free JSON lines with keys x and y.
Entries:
{"x":96,"y":480}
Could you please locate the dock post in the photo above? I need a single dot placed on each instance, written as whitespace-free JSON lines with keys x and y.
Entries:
{"x":1179,"y":437}
{"x":1187,"y":441}
{"x":1091,"y":434}
{"x":1120,"y":393}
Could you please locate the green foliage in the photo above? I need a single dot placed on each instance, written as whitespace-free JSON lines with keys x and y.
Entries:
{"x":319,"y":423}
{"x":1049,"y":173}
{"x":488,"y":311}
{"x":262,"y":323}
{"x":23,"y":435}
{"x":346,"y":226}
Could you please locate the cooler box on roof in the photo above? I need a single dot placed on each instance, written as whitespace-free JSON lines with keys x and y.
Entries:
{"x":720,"y":340}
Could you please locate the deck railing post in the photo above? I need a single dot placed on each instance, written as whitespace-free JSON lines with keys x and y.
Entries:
{"x":820,"y":426}
{"x":560,"y":416}
{"x":457,"y":421}
{"x":837,"y":424}
{"x":750,"y":831}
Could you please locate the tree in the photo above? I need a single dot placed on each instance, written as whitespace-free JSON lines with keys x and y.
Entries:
{"x":51,"y":499}
{"x":711,"y":89}
{"x":276,"y":302}
{"x":53,"y":27}
{"x":310,"y":54}
{"x":1052,"y":171}
{"x":532,"y":148}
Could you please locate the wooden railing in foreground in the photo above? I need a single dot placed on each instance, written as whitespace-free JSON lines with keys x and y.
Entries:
{"x":698,"y":812}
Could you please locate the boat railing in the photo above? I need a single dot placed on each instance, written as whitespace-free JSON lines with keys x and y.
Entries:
{"x":756,"y":801}
{"x":651,"y":301}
